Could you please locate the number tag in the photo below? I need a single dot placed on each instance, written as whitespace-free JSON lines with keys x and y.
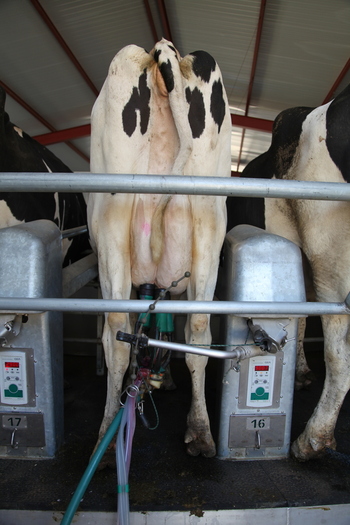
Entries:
{"x":13,"y":421}
{"x":258,"y":423}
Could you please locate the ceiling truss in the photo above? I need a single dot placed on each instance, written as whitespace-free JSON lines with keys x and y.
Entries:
{"x":66,"y":135}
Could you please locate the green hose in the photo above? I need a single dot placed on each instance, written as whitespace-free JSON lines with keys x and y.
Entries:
{"x":90,"y":469}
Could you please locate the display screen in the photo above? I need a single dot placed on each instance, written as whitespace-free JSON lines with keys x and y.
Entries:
{"x":262,"y":368}
{"x":11,"y":364}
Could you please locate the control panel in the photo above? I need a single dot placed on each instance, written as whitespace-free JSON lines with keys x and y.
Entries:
{"x":261,"y":376}
{"x":13,"y":378}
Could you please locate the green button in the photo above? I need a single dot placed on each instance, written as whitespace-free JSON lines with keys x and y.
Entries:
{"x":13,"y":391}
{"x":260,"y":391}
{"x":259,"y":395}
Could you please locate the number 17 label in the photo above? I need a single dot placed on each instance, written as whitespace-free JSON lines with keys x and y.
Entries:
{"x":13,"y":421}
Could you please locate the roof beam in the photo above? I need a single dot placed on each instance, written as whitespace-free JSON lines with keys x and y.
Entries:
{"x":165,"y":20}
{"x":41,"y":119}
{"x":256,"y":54}
{"x":253,"y":71}
{"x":26,"y":106}
{"x":258,"y":124}
{"x":240,"y":121}
{"x":151,"y":20}
{"x":63,"y":135}
{"x":36,"y":4}
{"x":337,"y":82}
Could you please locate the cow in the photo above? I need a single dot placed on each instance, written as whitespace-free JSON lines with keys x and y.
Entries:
{"x":21,"y":153}
{"x":160,"y":114}
{"x":312,"y":144}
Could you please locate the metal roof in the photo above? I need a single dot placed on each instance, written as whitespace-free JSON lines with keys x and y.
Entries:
{"x":273,"y":54}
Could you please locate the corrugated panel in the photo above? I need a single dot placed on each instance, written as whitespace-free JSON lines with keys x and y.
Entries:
{"x":96,"y":30}
{"x":226,"y":30}
{"x":34,"y":66}
{"x":305,"y":45}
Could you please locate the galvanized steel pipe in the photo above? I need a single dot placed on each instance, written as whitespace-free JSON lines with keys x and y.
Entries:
{"x":172,"y":184}
{"x":73,"y":232}
{"x":246,"y":308}
{"x":238,"y":352}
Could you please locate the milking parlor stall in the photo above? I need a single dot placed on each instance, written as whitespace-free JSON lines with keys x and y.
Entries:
{"x":179,"y":354}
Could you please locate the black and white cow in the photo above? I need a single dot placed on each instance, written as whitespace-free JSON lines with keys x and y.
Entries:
{"x":312,"y":144}
{"x":21,"y":153}
{"x":161,"y":114}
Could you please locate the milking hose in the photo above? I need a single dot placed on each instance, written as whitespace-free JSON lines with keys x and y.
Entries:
{"x":90,"y":469}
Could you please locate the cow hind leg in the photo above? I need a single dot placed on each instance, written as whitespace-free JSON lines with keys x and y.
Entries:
{"x":117,"y":355}
{"x":319,"y":432}
{"x":198,"y":435}
{"x":303,"y":375}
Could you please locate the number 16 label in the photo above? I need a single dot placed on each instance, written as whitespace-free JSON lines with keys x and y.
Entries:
{"x":258,"y":423}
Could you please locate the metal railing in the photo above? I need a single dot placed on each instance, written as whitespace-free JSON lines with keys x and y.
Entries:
{"x":280,"y":309}
{"x":125,"y":183}
{"x":171,"y":184}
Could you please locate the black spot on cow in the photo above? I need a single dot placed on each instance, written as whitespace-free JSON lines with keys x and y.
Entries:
{"x":21,"y":153}
{"x":196,"y":113}
{"x":286,"y":133}
{"x":168,"y":76}
{"x":337,"y":125}
{"x":276,"y":161}
{"x":21,"y":205}
{"x":217,"y":104}
{"x":203,"y":65}
{"x":139,"y":101}
{"x":157,"y":54}
{"x":173,"y":49}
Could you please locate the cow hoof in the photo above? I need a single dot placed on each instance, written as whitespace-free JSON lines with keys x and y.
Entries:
{"x":303,"y":381}
{"x":304,"y":450}
{"x":197,"y":445}
{"x":195,"y":449}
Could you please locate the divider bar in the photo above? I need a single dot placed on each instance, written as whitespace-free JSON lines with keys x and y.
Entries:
{"x":171,"y":184}
{"x":23,"y":305}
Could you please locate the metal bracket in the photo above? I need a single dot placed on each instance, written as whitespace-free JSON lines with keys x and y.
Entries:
{"x":264,"y":341}
{"x":12,"y":325}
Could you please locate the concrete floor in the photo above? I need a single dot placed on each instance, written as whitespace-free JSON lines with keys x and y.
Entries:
{"x":162,"y":476}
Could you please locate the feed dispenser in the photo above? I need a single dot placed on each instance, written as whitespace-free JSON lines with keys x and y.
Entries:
{"x":257,"y":393}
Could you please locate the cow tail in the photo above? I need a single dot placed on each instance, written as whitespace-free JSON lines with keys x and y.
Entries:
{"x":168,"y":61}
{"x":157,"y":229}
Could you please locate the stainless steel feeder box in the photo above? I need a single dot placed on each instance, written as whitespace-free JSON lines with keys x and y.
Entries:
{"x":257,"y":393}
{"x":31,"y":368}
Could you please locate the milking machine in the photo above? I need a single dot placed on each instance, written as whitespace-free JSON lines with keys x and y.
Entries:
{"x":31,"y":351}
{"x":257,"y":393}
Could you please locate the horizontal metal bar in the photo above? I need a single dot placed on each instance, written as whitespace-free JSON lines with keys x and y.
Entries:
{"x":78,"y":274}
{"x":171,"y":184}
{"x":246,"y":308}
{"x":238,"y":352}
{"x":73,"y":232}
